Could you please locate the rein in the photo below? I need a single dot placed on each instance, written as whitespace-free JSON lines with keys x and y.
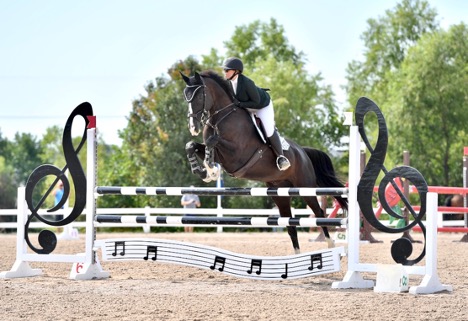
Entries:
{"x":215,"y":125}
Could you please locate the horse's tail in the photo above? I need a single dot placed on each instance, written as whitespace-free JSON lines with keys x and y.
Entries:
{"x":325,"y":173}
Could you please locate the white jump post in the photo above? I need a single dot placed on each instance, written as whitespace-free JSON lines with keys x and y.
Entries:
{"x":21,"y":267}
{"x":85,"y":265}
{"x":90,"y":268}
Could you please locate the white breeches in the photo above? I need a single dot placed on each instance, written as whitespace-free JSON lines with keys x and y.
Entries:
{"x":267,"y":116}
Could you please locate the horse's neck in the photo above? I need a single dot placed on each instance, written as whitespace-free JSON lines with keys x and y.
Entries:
{"x":238,"y":140}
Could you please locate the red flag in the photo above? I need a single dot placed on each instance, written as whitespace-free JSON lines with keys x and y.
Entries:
{"x":92,"y":122}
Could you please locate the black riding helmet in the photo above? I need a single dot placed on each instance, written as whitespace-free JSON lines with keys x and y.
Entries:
{"x":233,"y":63}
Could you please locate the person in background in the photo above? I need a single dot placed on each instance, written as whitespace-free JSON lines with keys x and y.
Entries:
{"x":190,"y":201}
{"x":58,"y":194}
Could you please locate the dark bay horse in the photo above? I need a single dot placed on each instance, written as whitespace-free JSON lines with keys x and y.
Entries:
{"x":455,"y":200}
{"x":231,"y":139}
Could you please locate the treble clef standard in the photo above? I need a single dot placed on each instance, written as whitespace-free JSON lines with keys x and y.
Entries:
{"x":46,"y":238}
{"x":401,"y":248}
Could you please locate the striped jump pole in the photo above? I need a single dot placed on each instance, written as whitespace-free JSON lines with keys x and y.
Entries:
{"x":227,"y":191}
{"x":222,"y":221}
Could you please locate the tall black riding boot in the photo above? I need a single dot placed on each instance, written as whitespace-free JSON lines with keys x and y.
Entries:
{"x":281,"y":161}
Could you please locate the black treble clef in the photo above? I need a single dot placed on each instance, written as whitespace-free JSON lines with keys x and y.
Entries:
{"x":401,"y":248}
{"x":47,"y":239}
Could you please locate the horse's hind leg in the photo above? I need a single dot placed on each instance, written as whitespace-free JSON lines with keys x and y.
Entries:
{"x":284,"y":207}
{"x":317,"y":209}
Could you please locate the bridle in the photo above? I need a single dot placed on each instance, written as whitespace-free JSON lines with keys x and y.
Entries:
{"x":200,"y":118}
{"x":203,"y":116}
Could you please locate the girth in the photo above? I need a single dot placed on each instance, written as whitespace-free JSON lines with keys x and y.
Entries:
{"x":251,"y":162}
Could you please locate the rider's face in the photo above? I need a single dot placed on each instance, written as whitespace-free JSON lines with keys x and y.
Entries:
{"x":228,"y":73}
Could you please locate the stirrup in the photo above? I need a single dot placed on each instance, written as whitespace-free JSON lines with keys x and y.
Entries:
{"x":282,"y":163}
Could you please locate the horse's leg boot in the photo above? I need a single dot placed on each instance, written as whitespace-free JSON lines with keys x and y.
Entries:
{"x":281,"y":161}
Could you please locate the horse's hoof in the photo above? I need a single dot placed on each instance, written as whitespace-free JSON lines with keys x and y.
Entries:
{"x":214,"y":173}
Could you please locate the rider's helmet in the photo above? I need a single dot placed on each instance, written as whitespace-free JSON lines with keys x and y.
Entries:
{"x":233,"y":63}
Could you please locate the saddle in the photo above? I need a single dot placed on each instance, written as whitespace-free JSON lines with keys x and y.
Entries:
{"x":261,"y":132}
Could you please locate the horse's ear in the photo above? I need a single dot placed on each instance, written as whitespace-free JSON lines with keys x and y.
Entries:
{"x":198,"y":78}
{"x":185,"y":78}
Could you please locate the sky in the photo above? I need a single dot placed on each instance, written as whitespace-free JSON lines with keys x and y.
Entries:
{"x":57,"y":54}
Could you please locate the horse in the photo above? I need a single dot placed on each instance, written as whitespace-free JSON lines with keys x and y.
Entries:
{"x":231,"y":139}
{"x":455,"y":200}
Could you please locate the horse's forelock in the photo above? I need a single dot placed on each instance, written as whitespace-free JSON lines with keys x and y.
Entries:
{"x":193,"y":81}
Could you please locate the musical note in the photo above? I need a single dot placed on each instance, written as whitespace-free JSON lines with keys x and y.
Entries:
{"x":151,"y":249}
{"x":315,"y":258}
{"x":285,"y":275}
{"x":258,"y":263}
{"x":47,"y":239}
{"x":116,"y":246}
{"x":221,"y":260}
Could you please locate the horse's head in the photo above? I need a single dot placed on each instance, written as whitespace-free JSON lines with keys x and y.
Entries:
{"x":195,"y":95}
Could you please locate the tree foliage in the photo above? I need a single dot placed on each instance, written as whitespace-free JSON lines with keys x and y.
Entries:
{"x":387,"y":40}
{"x":429,"y":97}
{"x":259,"y":41}
{"x":416,"y":73}
{"x":17,"y":159}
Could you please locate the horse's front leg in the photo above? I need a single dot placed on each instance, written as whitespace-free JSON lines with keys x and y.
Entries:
{"x":196,"y":151}
{"x":211,"y":168}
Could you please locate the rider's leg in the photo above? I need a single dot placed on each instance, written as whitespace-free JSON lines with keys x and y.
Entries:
{"x":267,"y":116}
{"x":281,"y":161}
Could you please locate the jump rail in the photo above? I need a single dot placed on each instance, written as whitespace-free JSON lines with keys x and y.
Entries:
{"x":222,"y":221}
{"x":226,"y":191}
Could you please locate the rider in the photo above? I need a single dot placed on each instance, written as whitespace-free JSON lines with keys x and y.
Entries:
{"x":256,"y":100}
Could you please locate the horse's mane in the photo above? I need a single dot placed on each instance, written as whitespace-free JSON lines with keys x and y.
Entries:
{"x":218,"y":79}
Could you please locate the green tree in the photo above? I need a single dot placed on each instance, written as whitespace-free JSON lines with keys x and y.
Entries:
{"x":428,"y":100}
{"x":156,"y":134}
{"x":387,"y":40}
{"x":25,"y":155}
{"x":258,"y":41}
{"x":7,"y":185}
